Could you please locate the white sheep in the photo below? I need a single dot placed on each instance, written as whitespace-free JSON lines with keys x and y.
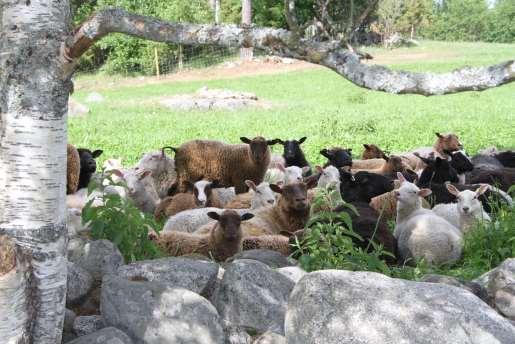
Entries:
{"x":468,"y":209}
{"x":162,"y":168}
{"x":140,"y":188}
{"x":257,"y":197}
{"x":329,"y":177}
{"x":329,"y":183}
{"x":281,"y":175}
{"x":420,"y":233}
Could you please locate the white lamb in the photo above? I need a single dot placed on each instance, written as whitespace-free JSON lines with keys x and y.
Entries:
{"x":140,"y":188}
{"x":420,"y":233}
{"x":280,"y":175}
{"x":468,"y":209}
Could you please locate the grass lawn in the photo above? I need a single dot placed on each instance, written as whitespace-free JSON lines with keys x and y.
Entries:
{"x":316,"y":103}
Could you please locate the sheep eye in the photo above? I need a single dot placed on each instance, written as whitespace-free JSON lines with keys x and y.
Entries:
{"x":258,"y":192}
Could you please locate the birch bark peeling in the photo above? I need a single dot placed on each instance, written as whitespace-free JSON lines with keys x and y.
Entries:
{"x":286,"y":44}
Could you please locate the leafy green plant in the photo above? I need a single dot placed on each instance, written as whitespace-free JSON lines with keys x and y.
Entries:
{"x":328,"y":243}
{"x":121,"y":222}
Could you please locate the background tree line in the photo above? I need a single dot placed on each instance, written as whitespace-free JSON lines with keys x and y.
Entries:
{"x":450,"y":20}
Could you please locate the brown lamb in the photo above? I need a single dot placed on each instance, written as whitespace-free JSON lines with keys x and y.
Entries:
{"x":390,"y":166}
{"x":222,"y":241}
{"x":372,"y":152}
{"x":72,"y":169}
{"x":229,"y":164}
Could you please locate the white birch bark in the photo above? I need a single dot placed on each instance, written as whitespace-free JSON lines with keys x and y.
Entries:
{"x":33,"y":105}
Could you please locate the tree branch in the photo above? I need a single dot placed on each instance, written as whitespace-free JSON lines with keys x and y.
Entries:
{"x":280,"y":42}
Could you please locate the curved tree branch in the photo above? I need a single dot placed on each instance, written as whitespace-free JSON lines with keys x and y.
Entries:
{"x":280,"y":42}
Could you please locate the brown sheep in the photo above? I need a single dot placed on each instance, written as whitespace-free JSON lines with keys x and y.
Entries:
{"x":202,"y":196}
{"x":72,"y":169}
{"x":290,"y":214}
{"x":389,"y":167}
{"x":386,"y":204}
{"x":230,"y":164}
{"x":223,"y":240}
{"x":444,"y":143}
{"x":279,"y":243}
{"x":372,"y":152}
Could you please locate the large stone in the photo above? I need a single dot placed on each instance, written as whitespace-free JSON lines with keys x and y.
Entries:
{"x":505,"y":301}
{"x":499,"y":277}
{"x":236,"y":334}
{"x":271,"y":258}
{"x":338,"y":307}
{"x":474,"y":287}
{"x":199,"y":276}
{"x":253,"y":295}
{"x":152,"y":313}
{"x":79,"y":282}
{"x":294,"y":273}
{"x":270,"y":338}
{"x":84,"y":325}
{"x":108,"y":335}
{"x":98,"y":257}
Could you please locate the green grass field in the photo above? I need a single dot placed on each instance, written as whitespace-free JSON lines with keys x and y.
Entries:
{"x":316,"y":103}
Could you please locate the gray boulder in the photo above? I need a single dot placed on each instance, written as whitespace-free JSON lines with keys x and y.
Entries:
{"x":270,"y":338}
{"x":473,"y":287}
{"x":199,"y":276}
{"x":271,"y":258}
{"x":253,"y":295}
{"x":108,"y":335}
{"x":235,"y":334}
{"x":78,"y":283}
{"x":87,"y":324}
{"x":98,"y":257}
{"x":151,"y":313}
{"x":499,"y":277}
{"x":294,"y":273}
{"x":505,"y":301}
{"x":338,"y":307}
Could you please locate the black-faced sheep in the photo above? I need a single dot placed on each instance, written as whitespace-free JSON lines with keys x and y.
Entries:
{"x":88,"y":165}
{"x":231,"y":165}
{"x":72,"y":169}
{"x":337,"y":157}
{"x":293,"y":154}
{"x":223,"y":240}
{"x":363,"y":186}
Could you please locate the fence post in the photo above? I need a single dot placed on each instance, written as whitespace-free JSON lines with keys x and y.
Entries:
{"x":180,"y":57}
{"x":156,"y":59}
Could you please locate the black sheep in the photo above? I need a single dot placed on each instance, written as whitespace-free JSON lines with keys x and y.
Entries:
{"x":338,"y":157}
{"x":437,"y":171}
{"x":506,"y":158}
{"x":88,"y":165}
{"x":363,"y":186}
{"x":293,"y":154}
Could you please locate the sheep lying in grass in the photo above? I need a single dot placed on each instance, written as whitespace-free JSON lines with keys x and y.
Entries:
{"x":88,"y":165}
{"x":420,"y":233}
{"x":203,"y":196}
{"x":72,"y":169}
{"x":290,"y":214}
{"x":162,"y":168}
{"x":257,"y":197}
{"x":140,"y":188}
{"x":372,"y":152}
{"x":230,"y":164}
{"x":223,"y":239}
{"x":468,"y":209}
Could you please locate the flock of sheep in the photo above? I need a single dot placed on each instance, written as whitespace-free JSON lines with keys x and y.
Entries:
{"x":221,"y":198}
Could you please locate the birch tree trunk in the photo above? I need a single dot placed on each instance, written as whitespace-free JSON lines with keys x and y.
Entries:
{"x":33,"y":106}
{"x":246,"y":54}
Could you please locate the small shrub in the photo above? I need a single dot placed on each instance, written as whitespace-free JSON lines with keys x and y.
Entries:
{"x":121,"y":222}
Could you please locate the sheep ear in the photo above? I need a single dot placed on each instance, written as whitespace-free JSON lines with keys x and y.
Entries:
{"x":214,"y":215}
{"x":251,"y":184}
{"x":482,"y":189}
{"x":386,"y":158}
{"x":245,"y":140}
{"x":272,"y":142}
{"x":326,"y":153}
{"x":367,"y":147}
{"x":424,"y":192}
{"x":281,"y":168}
{"x":302,"y":139}
{"x":276,"y":188}
{"x":311,"y":183}
{"x":439,"y":135}
{"x":215,"y":184}
{"x":319,"y":169}
{"x":452,"y":189}
{"x":349,"y":150}
{"x":281,"y":142}
{"x":144,"y":174}
{"x":97,"y":153}
{"x":305,"y":170}
{"x":401,"y":178}
{"x":117,"y":172}
{"x":246,"y":216}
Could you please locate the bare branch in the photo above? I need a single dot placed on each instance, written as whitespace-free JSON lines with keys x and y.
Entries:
{"x":280,"y":42}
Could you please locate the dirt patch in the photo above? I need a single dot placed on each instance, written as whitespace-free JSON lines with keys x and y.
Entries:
{"x":227,"y":70}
